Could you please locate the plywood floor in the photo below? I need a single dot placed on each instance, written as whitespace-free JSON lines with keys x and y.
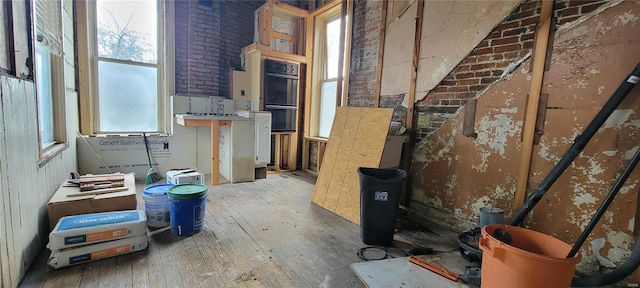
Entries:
{"x":265,"y":233}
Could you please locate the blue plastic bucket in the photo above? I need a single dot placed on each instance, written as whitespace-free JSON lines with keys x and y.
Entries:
{"x":156,"y":205}
{"x":187,"y":204}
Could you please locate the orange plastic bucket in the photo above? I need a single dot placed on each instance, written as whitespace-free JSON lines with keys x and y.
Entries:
{"x":533,"y":259}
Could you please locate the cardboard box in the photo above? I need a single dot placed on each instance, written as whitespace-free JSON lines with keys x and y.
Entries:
{"x":185,"y":176}
{"x":78,"y":230}
{"x":82,"y":254}
{"x":62,"y":204}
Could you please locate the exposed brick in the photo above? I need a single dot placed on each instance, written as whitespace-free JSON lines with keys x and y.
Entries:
{"x":458,"y":89}
{"x":568,"y":11}
{"x":472,"y":81}
{"x":483,"y":66}
{"x":482,"y":51}
{"x":513,"y":47}
{"x":590,"y":8}
{"x":505,"y":26}
{"x":488,"y":80}
{"x":464,"y":75}
{"x":513,"y":32}
{"x":530,"y":21}
{"x":503,"y":41}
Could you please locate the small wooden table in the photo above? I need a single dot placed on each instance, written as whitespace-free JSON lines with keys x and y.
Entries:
{"x":214,"y":122}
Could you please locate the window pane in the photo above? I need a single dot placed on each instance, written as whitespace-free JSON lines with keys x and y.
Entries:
{"x":45,"y":95}
{"x":333,"y":48}
{"x":127,"y":30}
{"x":327,"y":108}
{"x":128,"y":98}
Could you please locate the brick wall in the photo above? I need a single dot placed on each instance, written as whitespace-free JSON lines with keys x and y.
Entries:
{"x":509,"y":41}
{"x":208,"y":43}
{"x":364,"y":52}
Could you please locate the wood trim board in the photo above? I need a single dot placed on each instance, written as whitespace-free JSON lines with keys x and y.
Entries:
{"x":352,"y":144}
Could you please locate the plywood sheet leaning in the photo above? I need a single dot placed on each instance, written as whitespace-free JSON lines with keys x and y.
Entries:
{"x":357,"y":139}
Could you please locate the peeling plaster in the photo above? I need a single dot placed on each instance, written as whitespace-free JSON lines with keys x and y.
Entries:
{"x":451,"y":184}
{"x":629,"y":153}
{"x":632,"y":224}
{"x":620,"y":243}
{"x":583,"y":198}
{"x":610,"y":153}
{"x":596,"y":246}
{"x":494,"y":131}
{"x":582,"y":84}
{"x":580,"y":220}
{"x":442,"y":70}
{"x":443,"y":144}
{"x":617,"y":118}
{"x":629,"y":187}
{"x":512,"y":110}
{"x":481,"y":202}
{"x":625,"y":18}
{"x":600,"y":89}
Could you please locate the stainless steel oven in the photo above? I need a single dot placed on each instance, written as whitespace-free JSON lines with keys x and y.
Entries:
{"x":283,"y":118}
{"x":281,"y":94}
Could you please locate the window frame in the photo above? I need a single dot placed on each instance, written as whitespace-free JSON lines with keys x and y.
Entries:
{"x":88,"y":67}
{"x":58,"y":108}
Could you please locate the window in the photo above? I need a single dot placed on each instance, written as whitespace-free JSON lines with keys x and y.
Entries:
{"x":49,"y":76}
{"x":329,"y":80}
{"x":325,"y":78}
{"x":125,"y":90}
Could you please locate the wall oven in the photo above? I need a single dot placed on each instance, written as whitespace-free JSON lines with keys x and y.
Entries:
{"x":281,"y":94}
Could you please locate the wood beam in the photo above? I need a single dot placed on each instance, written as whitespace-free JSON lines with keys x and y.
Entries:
{"x":529,"y":128}
{"x":406,"y":151}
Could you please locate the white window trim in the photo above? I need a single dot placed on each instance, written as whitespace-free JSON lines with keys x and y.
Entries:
{"x":87,"y":66}
{"x":48,"y":152}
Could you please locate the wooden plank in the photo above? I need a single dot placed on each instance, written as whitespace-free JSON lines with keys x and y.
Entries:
{"x":277,"y":155}
{"x":383,"y":29}
{"x":6,"y":241}
{"x":347,"y":150}
{"x":369,"y":144}
{"x":528,"y":131}
{"x":333,"y":147}
{"x":405,"y":197}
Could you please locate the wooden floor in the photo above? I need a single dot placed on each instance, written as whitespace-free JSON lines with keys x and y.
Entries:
{"x":265,"y":233}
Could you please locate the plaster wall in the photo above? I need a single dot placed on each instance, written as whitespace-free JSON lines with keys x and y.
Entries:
{"x":455,"y":175}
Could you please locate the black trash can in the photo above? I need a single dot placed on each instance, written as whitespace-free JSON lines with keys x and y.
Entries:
{"x":379,"y":196}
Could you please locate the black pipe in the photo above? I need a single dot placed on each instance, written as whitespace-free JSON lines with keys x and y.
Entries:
{"x":578,"y":144}
{"x":605,"y":204}
{"x":614,"y":276}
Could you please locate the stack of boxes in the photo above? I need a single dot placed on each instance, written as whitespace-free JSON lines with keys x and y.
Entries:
{"x":82,"y":238}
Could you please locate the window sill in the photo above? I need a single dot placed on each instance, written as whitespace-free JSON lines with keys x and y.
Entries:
{"x":51,"y":152}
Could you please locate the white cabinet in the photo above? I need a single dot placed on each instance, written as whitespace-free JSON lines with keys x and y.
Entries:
{"x":263,"y":138}
{"x":237,"y":151}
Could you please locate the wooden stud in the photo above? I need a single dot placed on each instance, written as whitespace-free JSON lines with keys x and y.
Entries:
{"x":383,"y":23}
{"x":542,"y":113}
{"x":540,"y":49}
{"x":406,"y":151}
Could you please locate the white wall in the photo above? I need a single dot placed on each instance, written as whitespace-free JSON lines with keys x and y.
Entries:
{"x":25,"y":187}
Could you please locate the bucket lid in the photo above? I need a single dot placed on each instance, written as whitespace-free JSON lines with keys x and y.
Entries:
{"x":187,"y":191}
{"x":158,"y":189}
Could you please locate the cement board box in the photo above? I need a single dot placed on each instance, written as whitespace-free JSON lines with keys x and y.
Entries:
{"x":68,"y":200}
